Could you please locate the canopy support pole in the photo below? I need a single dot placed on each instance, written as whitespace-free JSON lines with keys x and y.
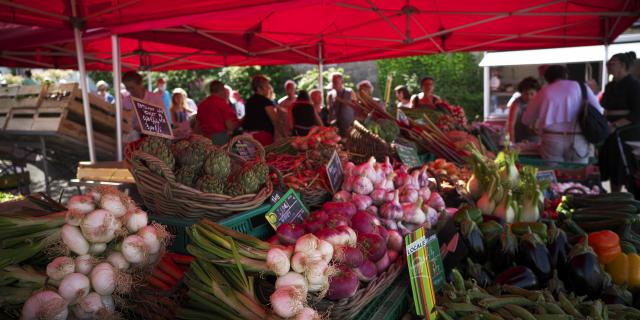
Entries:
{"x":487,"y":92}
{"x":85,"y":93}
{"x":115,"y":56}
{"x":320,"y":70}
{"x":149,"y":82}
{"x":605,"y":74}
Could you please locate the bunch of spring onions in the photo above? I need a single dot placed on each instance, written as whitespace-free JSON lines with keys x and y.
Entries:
{"x":22,"y":238}
{"x":220,"y":280}
{"x":17,"y":284}
{"x":500,"y":189}
{"x":107,"y":242}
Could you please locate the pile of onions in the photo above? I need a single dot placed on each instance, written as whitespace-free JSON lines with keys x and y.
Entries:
{"x":108,"y":240}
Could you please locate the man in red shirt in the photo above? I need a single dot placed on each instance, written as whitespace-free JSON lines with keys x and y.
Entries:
{"x":216,"y":118}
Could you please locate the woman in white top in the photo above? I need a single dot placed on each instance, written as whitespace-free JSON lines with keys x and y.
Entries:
{"x":553,"y":113}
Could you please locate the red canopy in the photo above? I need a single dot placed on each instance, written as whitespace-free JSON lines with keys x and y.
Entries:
{"x":206,"y":33}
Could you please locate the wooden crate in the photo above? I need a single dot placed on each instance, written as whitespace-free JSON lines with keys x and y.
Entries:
{"x":7,"y":102}
{"x":20,"y":119}
{"x":111,"y":171}
{"x":29,"y":96}
{"x":59,"y":95}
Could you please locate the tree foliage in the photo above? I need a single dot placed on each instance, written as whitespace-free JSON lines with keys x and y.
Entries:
{"x":458,"y":79}
{"x":309,"y":80}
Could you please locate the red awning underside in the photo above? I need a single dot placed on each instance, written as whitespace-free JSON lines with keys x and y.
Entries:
{"x":207,"y":33}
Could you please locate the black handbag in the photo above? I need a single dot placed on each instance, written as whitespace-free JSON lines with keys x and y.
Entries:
{"x":594,"y":125}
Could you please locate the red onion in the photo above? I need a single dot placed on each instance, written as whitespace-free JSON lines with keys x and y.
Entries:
{"x":347,"y":208}
{"x":288,"y":233}
{"x":361,"y":201}
{"x":378,"y":196}
{"x":343,"y":284}
{"x":337,"y":219}
{"x":342,"y":196}
{"x":382,"y":231}
{"x":383,"y":264}
{"x":395,"y":241}
{"x":348,"y":256}
{"x":363,"y":222}
{"x":367,"y":271}
{"x":393,"y":255}
{"x":372,"y":246}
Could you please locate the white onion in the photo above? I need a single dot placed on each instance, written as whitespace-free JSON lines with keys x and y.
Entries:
{"x":113,"y":203}
{"x":103,"y":279}
{"x":306,"y":243}
{"x":150,"y":236}
{"x":134,"y":249}
{"x":298,"y":262}
{"x":84,"y":264}
{"x":317,"y":274}
{"x":99,"y":226}
{"x":45,"y":305}
{"x":97,"y":248}
{"x":278,"y":261}
{"x":136,"y":220}
{"x":73,"y":218}
{"x":95,"y":194}
{"x":287,"y":301}
{"x":90,"y":307}
{"x":60,"y":267}
{"x":308,"y":314}
{"x":81,"y":204}
{"x":109,"y":303}
{"x":292,"y":279}
{"x":118,"y":261}
{"x":74,"y":287}
{"x":72,"y":237}
{"x":326,"y":250}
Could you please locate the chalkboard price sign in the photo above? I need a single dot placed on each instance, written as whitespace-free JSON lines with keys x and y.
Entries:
{"x":547,"y":175}
{"x":289,"y":209}
{"x":152,"y":119}
{"x":334,"y":172}
{"x":246,"y":151}
{"x":408,"y":155}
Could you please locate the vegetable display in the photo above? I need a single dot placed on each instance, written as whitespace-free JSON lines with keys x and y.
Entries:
{"x":107,"y":244}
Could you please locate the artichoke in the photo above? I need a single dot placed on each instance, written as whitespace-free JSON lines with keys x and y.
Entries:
{"x":217,"y":163}
{"x":179,"y":146}
{"x":210,"y":184}
{"x":159,"y":148}
{"x":193,"y":155}
{"x":187,"y":175}
{"x":250,"y":180}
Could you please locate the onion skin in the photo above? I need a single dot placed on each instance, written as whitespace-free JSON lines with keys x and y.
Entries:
{"x":81,"y":204}
{"x":395,"y":241}
{"x":114,"y":204}
{"x":367,"y":271}
{"x":84,"y":264}
{"x":348,"y":256}
{"x":134,"y":249}
{"x":60,"y":267}
{"x":73,"y":287}
{"x":45,"y":305}
{"x":343,"y":284}
{"x":383,"y":264}
{"x":278,"y":261}
{"x":287,"y":302}
{"x":363,"y":222}
{"x":99,"y":226}
{"x":75,"y":241}
{"x":288,"y":233}
{"x":372,"y":246}
{"x":100,"y":276}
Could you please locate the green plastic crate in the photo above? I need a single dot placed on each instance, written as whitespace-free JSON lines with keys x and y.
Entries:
{"x":251,"y":222}
{"x":392,"y":304}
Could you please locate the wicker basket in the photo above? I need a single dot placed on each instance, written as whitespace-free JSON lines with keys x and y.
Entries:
{"x":362,"y":144}
{"x":345,"y":308}
{"x":163,"y":195}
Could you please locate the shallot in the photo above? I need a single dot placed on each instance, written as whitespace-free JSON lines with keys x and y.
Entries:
{"x":81,"y":204}
{"x":103,"y":279}
{"x":45,"y":305}
{"x":136,"y":220}
{"x":73,"y":287}
{"x":113,"y":203}
{"x":84,"y":264}
{"x":73,"y":239}
{"x":60,"y":267}
{"x":278,"y":261}
{"x":99,"y":226}
{"x":287,"y":301}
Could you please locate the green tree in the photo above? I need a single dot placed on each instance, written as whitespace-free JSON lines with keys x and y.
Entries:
{"x":309,"y":80}
{"x":458,"y":79}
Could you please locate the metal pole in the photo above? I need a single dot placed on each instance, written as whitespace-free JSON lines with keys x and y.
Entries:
{"x":85,"y":94}
{"x":320,"y":67}
{"x":487,"y":92}
{"x":45,"y":165}
{"x":149,"y":82}
{"x":115,"y":56}
{"x":605,"y":74}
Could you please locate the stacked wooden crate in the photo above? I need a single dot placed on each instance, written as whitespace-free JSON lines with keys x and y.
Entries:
{"x":26,"y":103}
{"x":60,"y":112}
{"x":7,"y":102}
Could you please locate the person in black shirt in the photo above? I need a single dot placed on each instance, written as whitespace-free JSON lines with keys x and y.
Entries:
{"x":260,"y":111}
{"x":304,"y":115}
{"x":621,"y":101}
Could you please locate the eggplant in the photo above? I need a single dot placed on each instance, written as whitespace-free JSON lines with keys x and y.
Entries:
{"x":483,"y":276}
{"x":473,"y":239}
{"x":617,"y":295}
{"x":518,"y":276}
{"x":533,"y":254}
{"x":491,"y":230}
{"x":555,"y":285}
{"x":558,"y":246}
{"x":505,"y":252}
{"x":584,"y":276}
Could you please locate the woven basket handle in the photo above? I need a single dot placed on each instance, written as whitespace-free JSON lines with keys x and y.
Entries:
{"x":147,"y":158}
{"x":260,"y":153}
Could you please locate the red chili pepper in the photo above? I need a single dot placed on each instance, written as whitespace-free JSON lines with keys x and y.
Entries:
{"x":157,"y":283}
{"x":167,"y":265}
